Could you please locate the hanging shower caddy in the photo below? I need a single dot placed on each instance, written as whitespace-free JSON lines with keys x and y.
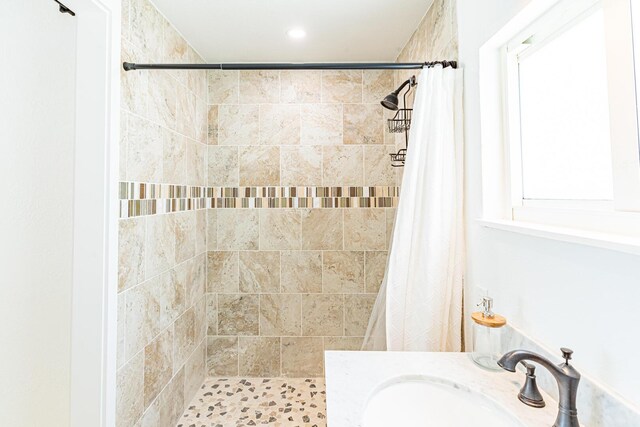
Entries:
{"x":401,"y":121}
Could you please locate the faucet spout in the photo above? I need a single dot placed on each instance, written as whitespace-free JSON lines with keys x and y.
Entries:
{"x":565,"y":375}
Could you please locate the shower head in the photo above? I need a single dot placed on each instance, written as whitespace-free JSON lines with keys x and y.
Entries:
{"x":390,"y":101}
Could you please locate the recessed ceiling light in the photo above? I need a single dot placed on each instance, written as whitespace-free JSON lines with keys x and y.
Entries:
{"x":297,"y":33}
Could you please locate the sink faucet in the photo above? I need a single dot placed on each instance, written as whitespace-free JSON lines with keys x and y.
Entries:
{"x":566,"y":376}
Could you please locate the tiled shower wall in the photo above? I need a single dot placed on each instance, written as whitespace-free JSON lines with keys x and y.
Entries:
{"x":435,"y":39}
{"x":162,"y":257}
{"x":285,"y":283}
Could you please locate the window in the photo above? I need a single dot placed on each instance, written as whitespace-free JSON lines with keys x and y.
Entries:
{"x":568,"y":127}
{"x":564,"y":115}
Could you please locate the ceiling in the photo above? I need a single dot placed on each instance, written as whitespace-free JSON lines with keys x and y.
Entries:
{"x":255,"y":30}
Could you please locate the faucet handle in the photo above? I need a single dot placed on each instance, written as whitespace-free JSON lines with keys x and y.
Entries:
{"x":566,"y":354}
{"x":529,"y":393}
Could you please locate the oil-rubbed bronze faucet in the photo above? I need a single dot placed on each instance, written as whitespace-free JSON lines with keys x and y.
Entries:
{"x":566,"y":377}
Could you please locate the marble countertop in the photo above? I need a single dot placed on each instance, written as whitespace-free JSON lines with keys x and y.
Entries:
{"x":351,"y":376}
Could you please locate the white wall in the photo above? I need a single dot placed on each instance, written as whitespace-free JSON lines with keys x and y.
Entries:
{"x":37,"y":52}
{"x":558,"y":293}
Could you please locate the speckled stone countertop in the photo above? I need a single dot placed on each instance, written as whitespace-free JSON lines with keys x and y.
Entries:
{"x":352,"y":376}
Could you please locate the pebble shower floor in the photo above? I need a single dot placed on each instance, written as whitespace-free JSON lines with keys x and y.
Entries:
{"x":239,"y":402}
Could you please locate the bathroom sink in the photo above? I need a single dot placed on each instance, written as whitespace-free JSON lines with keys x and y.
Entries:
{"x":430,"y":401}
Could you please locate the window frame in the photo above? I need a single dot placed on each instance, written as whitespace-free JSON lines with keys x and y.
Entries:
{"x":503,"y":201}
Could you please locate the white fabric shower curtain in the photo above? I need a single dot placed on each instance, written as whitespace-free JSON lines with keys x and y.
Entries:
{"x":419,"y":306}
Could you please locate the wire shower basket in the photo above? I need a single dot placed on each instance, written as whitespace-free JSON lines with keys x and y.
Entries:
{"x":401,"y":121}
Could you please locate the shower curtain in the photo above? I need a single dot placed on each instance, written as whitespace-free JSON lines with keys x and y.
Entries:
{"x":419,"y":306}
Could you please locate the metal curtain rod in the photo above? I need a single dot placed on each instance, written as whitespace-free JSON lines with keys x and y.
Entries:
{"x":128,"y":66}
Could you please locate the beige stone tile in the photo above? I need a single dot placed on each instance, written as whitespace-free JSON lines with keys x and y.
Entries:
{"x":300,"y":86}
{"x":131,"y":252}
{"x":357,"y":311}
{"x":342,"y":165}
{"x":194,"y":371}
{"x":259,"y":166}
{"x":197,"y":79}
{"x":322,"y":315}
{"x":174,"y":157}
{"x":186,"y":113}
{"x":259,"y":356}
{"x":222,"y":272}
{"x":375,"y":263}
{"x":134,"y":87}
{"x":321,"y":124}
{"x":300,"y":166}
{"x":376,"y":85}
{"x":202,"y":121}
{"x":201,"y":231}
{"x":238,"y":314}
{"x":280,"y":229}
{"x":222,"y":356}
{"x":342,"y":272}
{"x":144,"y":150}
{"x":342,"y":86}
{"x":184,"y":338}
{"x":175,"y":49}
{"x":280,"y":314}
{"x":390,"y":219}
{"x":302,"y":356}
{"x":130,"y":391}
{"x":120,"y":332}
{"x":222,"y":167}
{"x":238,"y":229}
{"x":160,"y":245}
{"x":322,"y":229}
{"x":365,"y":229}
{"x":200,"y":310}
{"x":158,"y":365}
{"x":185,"y":229}
{"x":212,"y":229}
{"x":279,"y":124}
{"x":223,"y":86}
{"x":145,"y":28}
{"x":259,"y":271}
{"x":122,"y":146}
{"x":192,"y":276}
{"x":167,"y":408}
{"x":363,"y":124}
{"x":163,"y":99}
{"x":301,"y":271}
{"x":196,"y":163}
{"x":212,"y":125}
{"x":150,"y":308}
{"x":259,"y":87}
{"x":212,"y":314}
{"x":342,"y":343}
{"x":377,"y":166}
{"x":238,"y":124}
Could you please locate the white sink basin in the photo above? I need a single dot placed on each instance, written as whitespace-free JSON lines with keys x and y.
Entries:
{"x":430,"y":401}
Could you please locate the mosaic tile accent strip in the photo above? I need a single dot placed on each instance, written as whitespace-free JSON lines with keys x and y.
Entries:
{"x":140,"y":199}
{"x":240,"y":402}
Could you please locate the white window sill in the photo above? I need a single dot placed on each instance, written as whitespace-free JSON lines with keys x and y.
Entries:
{"x":614,"y":242}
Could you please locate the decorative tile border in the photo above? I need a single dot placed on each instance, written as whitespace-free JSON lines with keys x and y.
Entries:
{"x":140,"y":199}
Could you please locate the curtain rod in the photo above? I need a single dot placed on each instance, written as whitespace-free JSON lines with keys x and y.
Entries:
{"x":128,"y":66}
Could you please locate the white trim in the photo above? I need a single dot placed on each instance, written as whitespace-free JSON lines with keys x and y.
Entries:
{"x":598,"y":240}
{"x":94,"y":311}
